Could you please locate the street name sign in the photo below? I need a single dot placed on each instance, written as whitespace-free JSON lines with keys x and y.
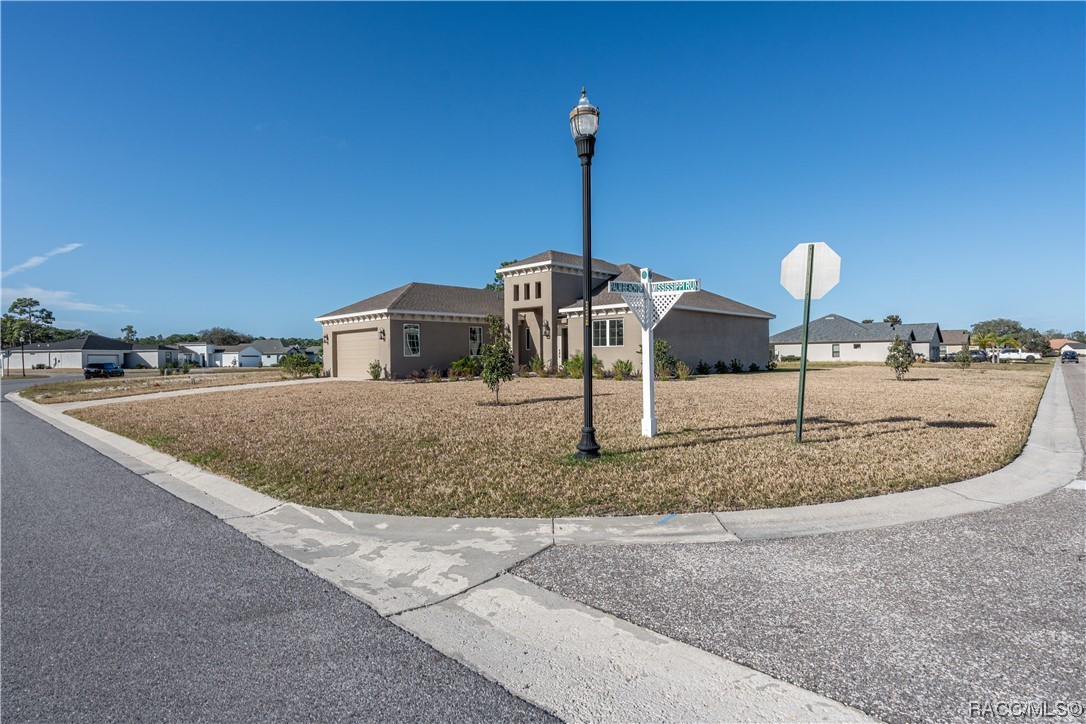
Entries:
{"x":650,"y":301}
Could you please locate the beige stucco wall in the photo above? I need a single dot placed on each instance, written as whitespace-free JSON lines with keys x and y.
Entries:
{"x":693,"y":336}
{"x":528,"y":312}
{"x":441,"y":342}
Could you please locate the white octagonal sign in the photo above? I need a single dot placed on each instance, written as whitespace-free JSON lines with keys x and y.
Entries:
{"x":826,"y":273}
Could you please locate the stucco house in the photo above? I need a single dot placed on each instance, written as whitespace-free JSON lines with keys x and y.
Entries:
{"x":407,"y":329}
{"x":834,"y":338}
{"x":544,"y":309}
{"x":417,"y":326}
{"x":954,"y":341}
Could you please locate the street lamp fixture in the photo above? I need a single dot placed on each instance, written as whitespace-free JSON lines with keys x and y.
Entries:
{"x":584,"y":121}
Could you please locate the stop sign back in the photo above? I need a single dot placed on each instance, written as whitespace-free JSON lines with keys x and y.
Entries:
{"x":825,"y":274}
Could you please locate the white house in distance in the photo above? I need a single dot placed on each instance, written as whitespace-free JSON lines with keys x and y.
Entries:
{"x":79,"y":352}
{"x":834,"y":338}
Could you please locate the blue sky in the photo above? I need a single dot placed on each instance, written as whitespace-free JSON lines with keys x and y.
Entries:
{"x":177,"y":166}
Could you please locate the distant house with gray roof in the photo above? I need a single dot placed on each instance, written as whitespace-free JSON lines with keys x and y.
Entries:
{"x":834,"y":338}
{"x":418,"y":325}
{"x":73,"y":353}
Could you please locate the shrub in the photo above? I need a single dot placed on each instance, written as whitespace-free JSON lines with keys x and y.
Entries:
{"x":161,"y":371}
{"x":296,"y":365}
{"x":790,"y":358}
{"x":561,"y":372}
{"x":375,"y":369}
{"x":522,"y":370}
{"x":964,"y":360}
{"x":702,"y":368}
{"x":316,"y":369}
{"x":575,"y":366}
{"x":899,"y":357}
{"x":432,"y":375}
{"x":720,"y":367}
{"x":622,"y":368}
{"x":535,"y":364}
{"x":682,"y":371}
{"x":770,"y":365}
{"x":465,"y":367}
{"x":735,"y":366}
{"x":753,"y":367}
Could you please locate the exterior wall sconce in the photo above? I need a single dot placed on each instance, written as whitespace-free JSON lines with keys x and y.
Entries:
{"x":546,"y":328}
{"x":381,"y":334}
{"x":326,"y":339}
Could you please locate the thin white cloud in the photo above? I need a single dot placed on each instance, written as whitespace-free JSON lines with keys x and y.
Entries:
{"x":57,"y":300}
{"x":39,"y":260}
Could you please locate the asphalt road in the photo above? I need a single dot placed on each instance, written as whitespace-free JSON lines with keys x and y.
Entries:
{"x":920,"y":622}
{"x":121,"y":603}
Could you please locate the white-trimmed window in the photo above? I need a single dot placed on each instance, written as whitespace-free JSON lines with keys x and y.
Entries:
{"x":836,"y":350}
{"x":412,"y":340}
{"x":475,"y":341}
{"x":607,"y":333}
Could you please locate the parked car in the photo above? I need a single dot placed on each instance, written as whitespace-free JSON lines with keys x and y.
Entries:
{"x":102,"y":369}
{"x":975,"y":355}
{"x":1069,"y":355}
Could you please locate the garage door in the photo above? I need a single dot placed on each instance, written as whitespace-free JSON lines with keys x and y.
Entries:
{"x":355,"y":351}
{"x":115,"y":359}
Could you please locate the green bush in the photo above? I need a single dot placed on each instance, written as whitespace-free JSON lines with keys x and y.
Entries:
{"x":770,"y":365}
{"x":790,"y":358}
{"x":621,"y":369}
{"x":702,"y":368}
{"x":497,"y":357}
{"x":682,"y":370}
{"x":465,"y":367}
{"x":735,"y":366}
{"x":316,"y":369}
{"x":575,"y":366}
{"x":535,"y":364}
{"x":753,"y":367}
{"x":721,"y":367}
{"x":375,"y":369}
{"x":296,"y":365}
{"x":899,"y":357}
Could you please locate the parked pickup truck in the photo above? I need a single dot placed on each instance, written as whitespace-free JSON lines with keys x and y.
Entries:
{"x":1018,"y":355}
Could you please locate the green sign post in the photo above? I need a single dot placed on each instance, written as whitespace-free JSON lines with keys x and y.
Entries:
{"x":808,"y":272}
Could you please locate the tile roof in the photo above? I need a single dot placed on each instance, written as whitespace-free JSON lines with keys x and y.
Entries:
{"x":428,"y":298}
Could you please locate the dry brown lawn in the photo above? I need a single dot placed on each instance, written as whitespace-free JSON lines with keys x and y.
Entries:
{"x":142,"y":384}
{"x":726,"y":442}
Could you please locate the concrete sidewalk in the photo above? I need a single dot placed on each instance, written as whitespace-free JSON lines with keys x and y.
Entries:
{"x":445,"y":579}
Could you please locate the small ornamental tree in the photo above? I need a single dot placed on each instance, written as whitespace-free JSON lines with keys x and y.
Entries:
{"x":964,"y":359}
{"x":296,"y":365}
{"x":497,"y":357}
{"x":900,"y":357}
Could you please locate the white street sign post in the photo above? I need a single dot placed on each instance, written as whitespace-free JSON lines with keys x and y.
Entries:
{"x":650,"y":301}
{"x":808,"y":272}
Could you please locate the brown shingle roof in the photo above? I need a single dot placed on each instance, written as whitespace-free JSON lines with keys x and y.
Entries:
{"x":695,"y":300}
{"x":428,"y":298}
{"x":561,"y":257}
{"x":956,"y":336}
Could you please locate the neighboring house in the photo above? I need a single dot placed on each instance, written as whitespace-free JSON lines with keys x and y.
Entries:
{"x":69,"y":354}
{"x":417,"y":326}
{"x":151,"y":355}
{"x":237,"y":355}
{"x":272,"y":351}
{"x":954,"y":341}
{"x":408,"y":329}
{"x":1059,"y":344}
{"x":201,"y":354}
{"x":315,"y":354}
{"x":834,"y":338}
{"x":1076,"y":346}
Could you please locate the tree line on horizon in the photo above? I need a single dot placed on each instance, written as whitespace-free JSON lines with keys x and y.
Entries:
{"x":28,"y":321}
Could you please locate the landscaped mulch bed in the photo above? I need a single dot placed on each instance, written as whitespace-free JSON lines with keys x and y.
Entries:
{"x":726,"y":441}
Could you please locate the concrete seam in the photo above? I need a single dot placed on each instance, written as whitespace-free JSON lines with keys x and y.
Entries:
{"x":275,"y":507}
{"x":978,"y":500}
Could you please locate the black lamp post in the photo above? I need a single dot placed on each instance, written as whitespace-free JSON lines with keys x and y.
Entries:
{"x":584,"y":120}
